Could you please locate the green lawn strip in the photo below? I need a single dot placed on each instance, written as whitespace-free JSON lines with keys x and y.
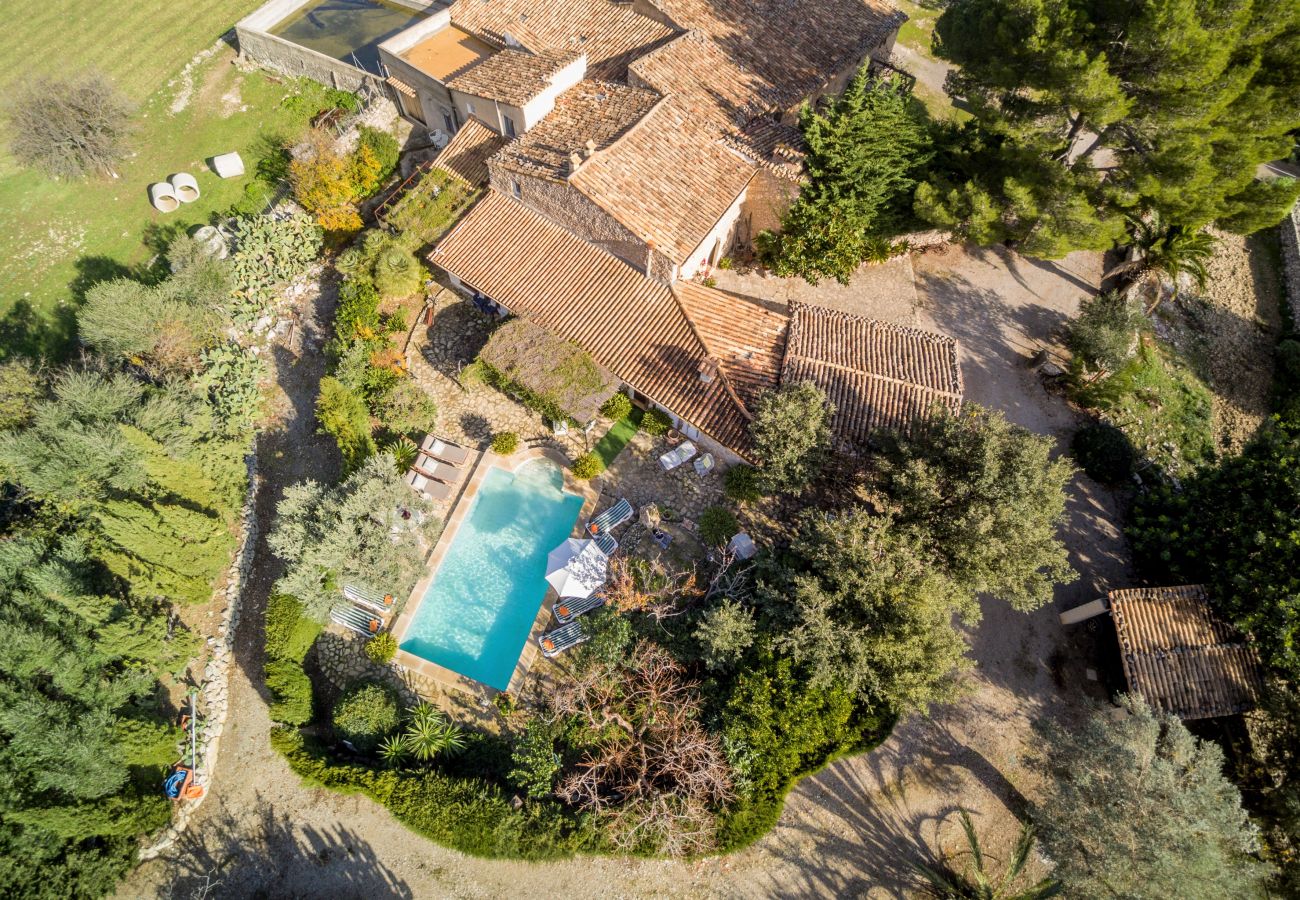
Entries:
{"x":62,"y":237}
{"x":619,"y":435}
{"x":918,"y":28}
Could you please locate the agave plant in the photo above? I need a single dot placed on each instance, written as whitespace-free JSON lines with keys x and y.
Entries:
{"x":352,"y":261}
{"x":430,"y":732}
{"x":976,"y":883}
{"x":403,"y":451}
{"x":393,"y":750}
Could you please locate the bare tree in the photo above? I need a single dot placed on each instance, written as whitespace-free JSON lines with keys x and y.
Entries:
{"x":650,"y":587}
{"x":655,"y":774}
{"x":69,"y":127}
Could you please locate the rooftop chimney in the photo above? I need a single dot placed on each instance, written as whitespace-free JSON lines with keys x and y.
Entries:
{"x":708,"y":370}
{"x":590,"y":149}
{"x":574,"y":162}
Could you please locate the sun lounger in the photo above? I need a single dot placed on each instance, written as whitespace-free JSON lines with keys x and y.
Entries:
{"x":451,"y":454}
{"x":567,"y":609}
{"x":432,"y":490}
{"x":566,"y":637}
{"x":438,"y":471}
{"x":704,"y":465}
{"x":678,"y":455}
{"x":368,"y":597}
{"x":606,"y":543}
{"x":611,"y":518}
{"x":359,"y":620}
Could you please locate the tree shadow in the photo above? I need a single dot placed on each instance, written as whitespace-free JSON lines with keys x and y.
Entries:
{"x":274,"y":856}
{"x":26,"y":332}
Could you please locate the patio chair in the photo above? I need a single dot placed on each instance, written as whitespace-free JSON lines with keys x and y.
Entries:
{"x":704,"y":465}
{"x":568,"y":609}
{"x":439,"y":449}
{"x":611,"y":518}
{"x":369,"y":598}
{"x":438,"y":471}
{"x":606,"y":543}
{"x":566,"y":637}
{"x":358,"y":620}
{"x":678,"y":455}
{"x":432,"y":490}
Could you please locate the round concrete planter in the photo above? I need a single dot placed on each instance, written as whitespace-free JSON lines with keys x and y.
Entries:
{"x":186,"y":188}
{"x":163,"y":197}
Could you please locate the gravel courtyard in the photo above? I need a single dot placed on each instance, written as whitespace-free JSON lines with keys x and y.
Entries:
{"x":850,"y":830}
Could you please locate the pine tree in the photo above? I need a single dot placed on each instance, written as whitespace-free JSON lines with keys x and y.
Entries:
{"x":863,"y":155}
{"x":1185,"y":98}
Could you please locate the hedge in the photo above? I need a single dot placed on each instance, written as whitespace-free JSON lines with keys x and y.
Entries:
{"x":290,"y":692}
{"x":289,"y":635}
{"x":465,"y":814}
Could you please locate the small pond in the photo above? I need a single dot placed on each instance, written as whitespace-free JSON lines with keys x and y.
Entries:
{"x":347,"y":30}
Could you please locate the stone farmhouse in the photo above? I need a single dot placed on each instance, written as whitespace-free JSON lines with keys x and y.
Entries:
{"x":626,"y":147}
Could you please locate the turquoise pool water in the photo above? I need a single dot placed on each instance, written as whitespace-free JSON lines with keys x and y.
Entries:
{"x":476,"y":615}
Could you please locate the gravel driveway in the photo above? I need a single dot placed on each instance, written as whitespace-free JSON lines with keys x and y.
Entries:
{"x":850,"y":830}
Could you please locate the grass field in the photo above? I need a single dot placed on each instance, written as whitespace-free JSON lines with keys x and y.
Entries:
{"x":61,"y":237}
{"x":620,"y":433}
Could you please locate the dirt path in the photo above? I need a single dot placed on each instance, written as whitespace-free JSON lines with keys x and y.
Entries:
{"x":850,"y":830}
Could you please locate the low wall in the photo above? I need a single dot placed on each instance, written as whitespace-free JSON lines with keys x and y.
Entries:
{"x":1290,"y":231}
{"x":288,"y":58}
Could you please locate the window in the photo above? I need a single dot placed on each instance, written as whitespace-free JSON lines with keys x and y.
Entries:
{"x":515,"y":189}
{"x":469,"y":107}
{"x":510,"y":125}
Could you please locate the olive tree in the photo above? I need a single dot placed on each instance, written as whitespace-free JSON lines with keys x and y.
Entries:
{"x":69,"y":127}
{"x":792,"y":435}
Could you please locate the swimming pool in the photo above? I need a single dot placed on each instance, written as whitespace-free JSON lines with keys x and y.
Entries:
{"x":479,"y":608}
{"x":346,"y":30}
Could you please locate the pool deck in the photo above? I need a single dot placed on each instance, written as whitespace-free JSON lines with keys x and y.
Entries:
{"x":486,"y":460}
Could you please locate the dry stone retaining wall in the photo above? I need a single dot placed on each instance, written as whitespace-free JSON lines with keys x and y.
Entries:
{"x":1290,"y":229}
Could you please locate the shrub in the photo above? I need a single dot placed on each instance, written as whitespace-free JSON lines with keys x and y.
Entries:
{"x":384,"y":147}
{"x":20,"y":388}
{"x":588,"y":466}
{"x":367,"y":713}
{"x":289,"y":634}
{"x":324,"y":182}
{"x":341,"y":99}
{"x":536,"y":764}
{"x":343,"y":414}
{"x":1105,"y":333}
{"x":656,"y":422}
{"x":290,"y":692}
{"x":269,"y":253}
{"x":609,"y":634}
{"x":617,"y":407}
{"x":381,"y":648}
{"x":407,"y":408}
{"x":717,"y":525}
{"x":69,"y":128}
{"x":726,"y":264}
{"x":1104,"y":452}
{"x":740,"y":483}
{"x":505,"y":443}
{"x":231,"y":378}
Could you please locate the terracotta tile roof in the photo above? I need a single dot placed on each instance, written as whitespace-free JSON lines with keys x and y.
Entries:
{"x":611,"y":35}
{"x":1182,"y":657}
{"x":467,"y":154}
{"x":696,"y":70}
{"x":771,"y":144}
{"x":666,"y":180}
{"x":745,"y":337}
{"x":630,"y":324}
{"x":596,"y":111}
{"x":877,"y":374}
{"x":793,"y":47}
{"x":511,"y":76}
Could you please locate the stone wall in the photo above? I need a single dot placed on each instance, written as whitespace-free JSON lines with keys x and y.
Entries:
{"x":290,"y":59}
{"x":1290,"y":230}
{"x":213,"y":696}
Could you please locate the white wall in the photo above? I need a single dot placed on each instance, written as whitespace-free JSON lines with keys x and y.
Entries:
{"x":724,"y":232}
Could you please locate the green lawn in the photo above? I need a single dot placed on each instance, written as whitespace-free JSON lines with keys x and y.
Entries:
{"x":919,"y":27}
{"x":61,"y":237}
{"x":620,"y":433}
